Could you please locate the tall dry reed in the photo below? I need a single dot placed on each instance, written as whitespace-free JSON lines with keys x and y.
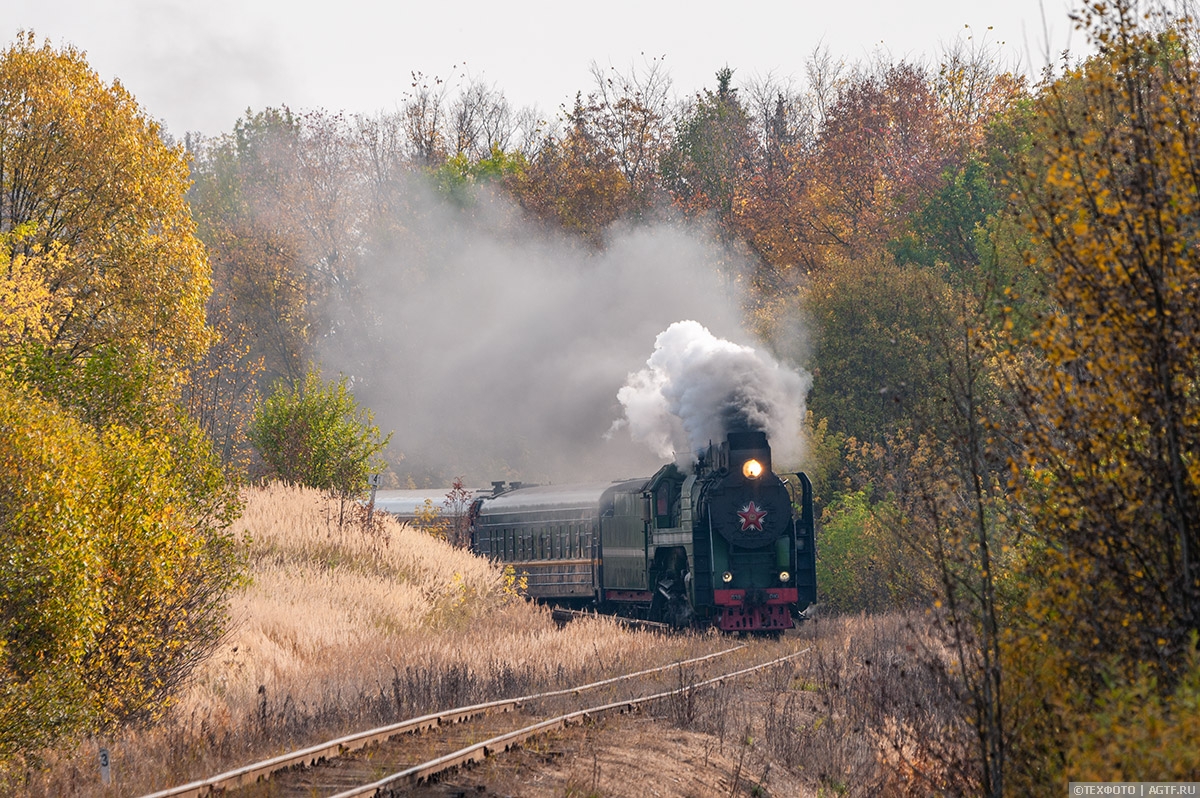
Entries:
{"x":342,"y":626}
{"x":869,"y":710}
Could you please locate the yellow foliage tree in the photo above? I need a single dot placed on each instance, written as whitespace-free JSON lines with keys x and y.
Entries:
{"x":1110,"y":473}
{"x":99,"y":199}
{"x":115,"y":558}
{"x":1115,"y":412}
{"x":50,"y":601}
{"x":25,"y":299}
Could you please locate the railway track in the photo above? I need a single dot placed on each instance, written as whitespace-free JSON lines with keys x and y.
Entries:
{"x":388,"y":760}
{"x":563,"y":616}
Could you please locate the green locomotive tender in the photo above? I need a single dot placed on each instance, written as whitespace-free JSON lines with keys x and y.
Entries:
{"x":721,"y":544}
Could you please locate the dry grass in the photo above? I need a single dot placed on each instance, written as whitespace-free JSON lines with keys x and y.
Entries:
{"x":343,"y":627}
{"x":869,"y":711}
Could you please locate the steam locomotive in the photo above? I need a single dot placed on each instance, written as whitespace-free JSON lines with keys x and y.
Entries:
{"x":719,"y":544}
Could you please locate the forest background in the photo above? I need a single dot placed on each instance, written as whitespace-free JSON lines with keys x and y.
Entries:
{"x":996,"y":279}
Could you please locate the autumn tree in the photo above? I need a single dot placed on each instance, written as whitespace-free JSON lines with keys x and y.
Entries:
{"x":114,"y":510}
{"x":878,"y":316}
{"x":983,"y":110}
{"x":1110,"y":194}
{"x":482,"y":120}
{"x":1115,"y":211}
{"x":881,"y":146}
{"x":784,"y":125}
{"x":51,"y":597}
{"x":574,"y":180}
{"x":629,"y":116}
{"x":96,"y":200}
{"x":906,"y":352}
{"x":97,"y":230}
{"x":423,"y":119}
{"x":284,"y":205}
{"x":221,"y":388}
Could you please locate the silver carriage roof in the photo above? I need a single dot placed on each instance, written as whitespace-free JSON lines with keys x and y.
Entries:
{"x":555,"y":497}
{"x":404,"y":504}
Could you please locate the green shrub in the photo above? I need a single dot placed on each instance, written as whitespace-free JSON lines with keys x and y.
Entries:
{"x":848,"y":556}
{"x":862,"y":564}
{"x":316,"y":435}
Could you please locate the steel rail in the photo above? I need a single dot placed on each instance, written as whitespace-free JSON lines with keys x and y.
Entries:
{"x":562,"y":615}
{"x":249,"y":774}
{"x":504,"y":742}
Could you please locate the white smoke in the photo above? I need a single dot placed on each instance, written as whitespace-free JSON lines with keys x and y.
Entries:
{"x":696,"y":388}
{"x":495,"y":348}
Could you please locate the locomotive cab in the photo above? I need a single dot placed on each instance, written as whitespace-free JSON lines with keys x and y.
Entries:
{"x":670,"y":548}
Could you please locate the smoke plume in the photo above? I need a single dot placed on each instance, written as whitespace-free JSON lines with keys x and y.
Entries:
{"x":495,"y":349}
{"x":697,"y":387}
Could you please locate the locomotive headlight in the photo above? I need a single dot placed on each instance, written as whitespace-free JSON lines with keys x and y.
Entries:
{"x":784,"y":576}
{"x":727,"y":577}
{"x":752,"y":469}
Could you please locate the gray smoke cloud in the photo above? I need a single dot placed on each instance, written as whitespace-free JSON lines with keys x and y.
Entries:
{"x":496,"y":350}
{"x":696,"y":388}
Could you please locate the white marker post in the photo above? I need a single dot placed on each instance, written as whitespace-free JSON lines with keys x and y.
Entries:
{"x":105,"y":767}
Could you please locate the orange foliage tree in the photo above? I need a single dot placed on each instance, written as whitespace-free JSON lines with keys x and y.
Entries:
{"x":574,"y":180}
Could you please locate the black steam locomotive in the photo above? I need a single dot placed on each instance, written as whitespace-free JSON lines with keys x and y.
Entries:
{"x":718,"y":545}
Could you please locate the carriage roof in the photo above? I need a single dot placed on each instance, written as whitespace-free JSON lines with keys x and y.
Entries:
{"x":558,"y":497}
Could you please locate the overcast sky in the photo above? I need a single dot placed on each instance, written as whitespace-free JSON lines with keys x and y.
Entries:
{"x":198,"y":64}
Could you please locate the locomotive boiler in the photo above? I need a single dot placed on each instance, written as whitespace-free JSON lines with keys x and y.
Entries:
{"x":726,"y":542}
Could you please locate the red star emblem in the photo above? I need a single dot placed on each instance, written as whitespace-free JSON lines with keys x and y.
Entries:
{"x":752,"y":517}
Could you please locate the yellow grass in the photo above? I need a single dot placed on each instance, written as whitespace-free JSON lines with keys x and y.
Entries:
{"x":341,"y":627}
{"x":395,"y":596}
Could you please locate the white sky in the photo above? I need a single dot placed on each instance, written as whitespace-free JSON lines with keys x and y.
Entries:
{"x":198,"y":64}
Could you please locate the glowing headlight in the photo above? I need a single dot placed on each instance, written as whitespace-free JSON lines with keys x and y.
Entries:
{"x":784,"y":576}
{"x":752,"y":469}
{"x":727,"y":577}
